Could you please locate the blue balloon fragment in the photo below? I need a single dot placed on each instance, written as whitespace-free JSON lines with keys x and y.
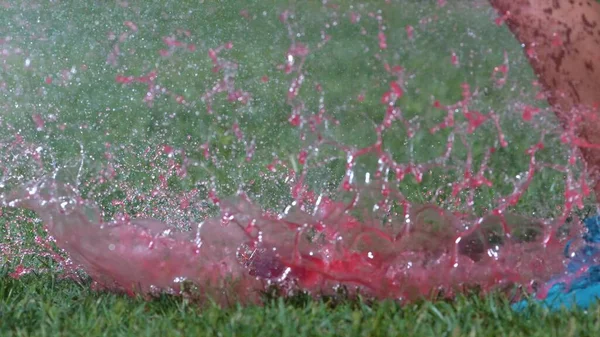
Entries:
{"x":585,"y":290}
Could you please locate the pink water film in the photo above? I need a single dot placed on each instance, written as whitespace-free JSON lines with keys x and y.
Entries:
{"x":399,"y":149}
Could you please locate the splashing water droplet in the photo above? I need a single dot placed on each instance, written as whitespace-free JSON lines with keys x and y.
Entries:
{"x":232,"y":165}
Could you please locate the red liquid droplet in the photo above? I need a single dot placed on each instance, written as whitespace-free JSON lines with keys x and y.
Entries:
{"x":410,"y":31}
{"x":382,"y":40}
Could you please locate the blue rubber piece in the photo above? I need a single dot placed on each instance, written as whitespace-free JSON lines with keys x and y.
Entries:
{"x":585,"y":290}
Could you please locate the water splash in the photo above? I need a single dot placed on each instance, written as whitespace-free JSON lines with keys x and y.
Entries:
{"x":580,"y":287}
{"x":315,"y":252}
{"x":417,"y":196}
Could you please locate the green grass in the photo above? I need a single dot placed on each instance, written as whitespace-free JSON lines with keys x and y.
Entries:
{"x":42,"y":305}
{"x":59,"y":36}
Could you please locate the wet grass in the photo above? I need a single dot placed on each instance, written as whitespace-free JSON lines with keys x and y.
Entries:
{"x":45,"y":306}
{"x":70,"y":39}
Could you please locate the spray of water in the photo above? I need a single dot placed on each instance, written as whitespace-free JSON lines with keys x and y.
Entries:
{"x":390,"y":191}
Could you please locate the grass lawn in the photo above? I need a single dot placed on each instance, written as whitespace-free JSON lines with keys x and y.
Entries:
{"x":46,"y":306}
{"x":67,"y":63}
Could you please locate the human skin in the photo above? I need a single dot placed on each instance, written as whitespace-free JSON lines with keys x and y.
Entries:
{"x":561,"y":40}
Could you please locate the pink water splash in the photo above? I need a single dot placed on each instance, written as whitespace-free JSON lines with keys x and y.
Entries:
{"x":369,"y":237}
{"x":246,"y":249}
